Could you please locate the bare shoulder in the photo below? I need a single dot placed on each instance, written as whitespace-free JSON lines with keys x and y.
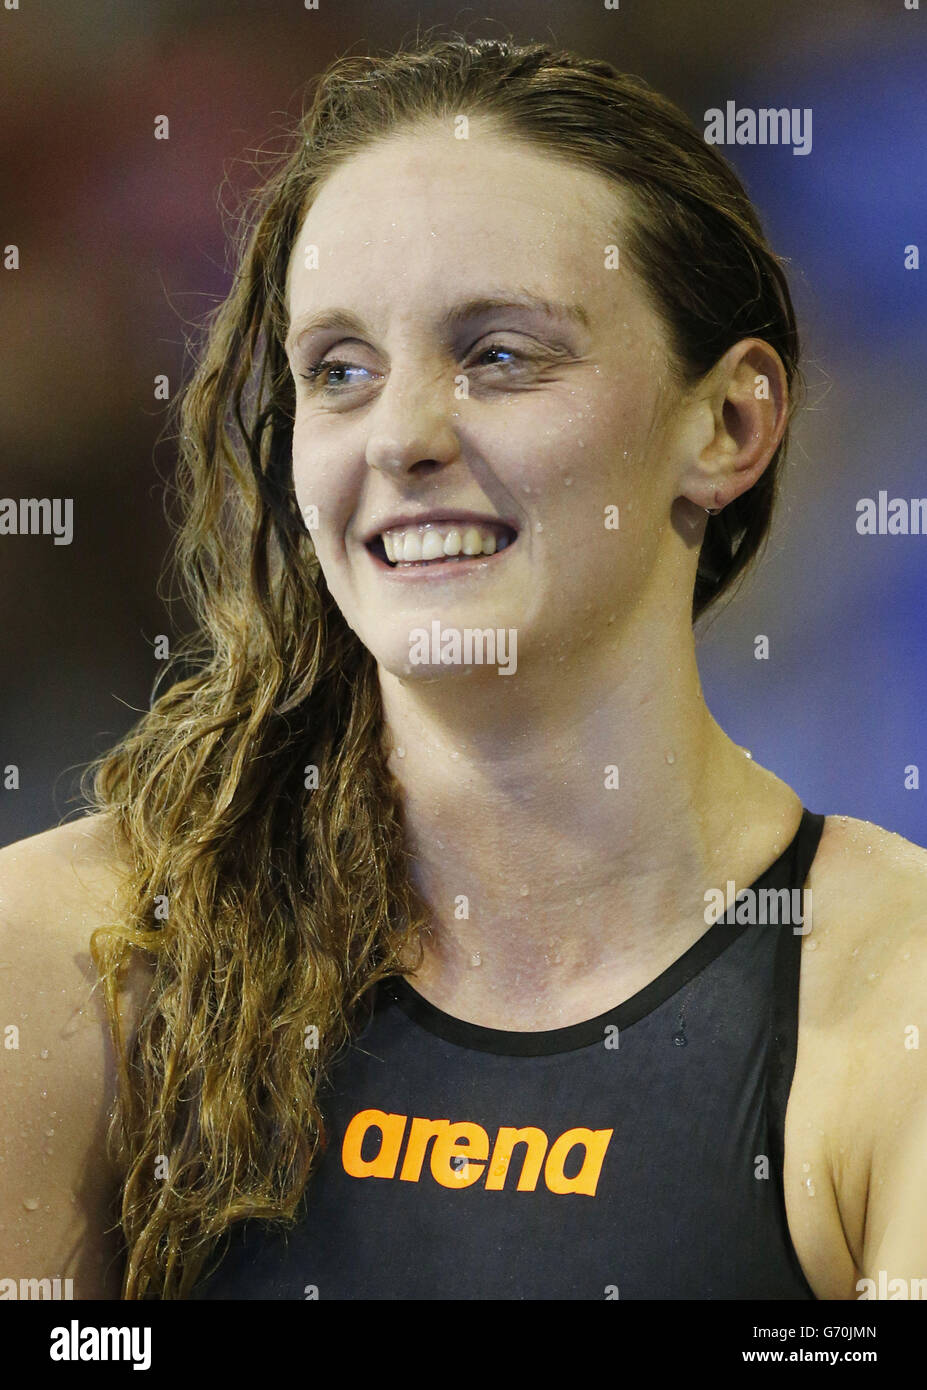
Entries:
{"x":861,"y":1073}
{"x":56,"y":1187}
{"x":869,"y":913}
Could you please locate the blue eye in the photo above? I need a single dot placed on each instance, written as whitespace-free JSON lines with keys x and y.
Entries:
{"x":315,"y":373}
{"x":318,"y":373}
{"x":502,"y":347}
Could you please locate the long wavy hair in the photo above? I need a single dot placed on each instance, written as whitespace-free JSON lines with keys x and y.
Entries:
{"x":267,"y":881}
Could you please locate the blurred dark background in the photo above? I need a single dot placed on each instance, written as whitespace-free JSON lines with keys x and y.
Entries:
{"x":122,"y":249}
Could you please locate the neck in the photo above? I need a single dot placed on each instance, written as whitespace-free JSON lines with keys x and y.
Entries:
{"x":565,"y":823}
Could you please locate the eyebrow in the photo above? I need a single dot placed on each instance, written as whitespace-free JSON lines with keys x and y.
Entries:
{"x":347,"y":322}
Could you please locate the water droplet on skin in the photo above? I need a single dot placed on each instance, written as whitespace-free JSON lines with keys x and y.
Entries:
{"x":568,"y":481}
{"x":49,"y":1133}
{"x":809,"y":1187}
{"x":524,"y":890}
{"x":400,"y":752}
{"x":44,"y":1054}
{"x":455,"y":755}
{"x":811,"y":945}
{"x":31,"y":1203}
{"x":806,"y":1167}
{"x":670,"y":756}
{"x":539,"y":526}
{"x":476,"y":958}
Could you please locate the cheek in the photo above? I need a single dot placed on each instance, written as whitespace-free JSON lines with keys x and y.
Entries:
{"x":318,"y":482}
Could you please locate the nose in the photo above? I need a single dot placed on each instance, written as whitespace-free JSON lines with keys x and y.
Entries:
{"x":412,"y":423}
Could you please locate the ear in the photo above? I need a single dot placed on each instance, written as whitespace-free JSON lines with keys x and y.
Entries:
{"x":738,"y":416}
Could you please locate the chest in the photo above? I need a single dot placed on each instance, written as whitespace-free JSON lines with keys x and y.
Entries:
{"x":630,"y":1159}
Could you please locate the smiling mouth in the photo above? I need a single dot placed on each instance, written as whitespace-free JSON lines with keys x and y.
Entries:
{"x":434,"y":546}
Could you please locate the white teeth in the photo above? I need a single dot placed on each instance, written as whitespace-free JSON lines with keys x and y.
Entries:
{"x":413,"y":544}
{"x":432,"y":545}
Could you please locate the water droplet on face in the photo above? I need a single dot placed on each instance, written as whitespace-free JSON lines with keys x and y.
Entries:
{"x":811,"y":945}
{"x":400,"y":752}
{"x":476,"y":958}
{"x":44,"y":1054}
{"x":31,"y":1203}
{"x":568,"y":481}
{"x":809,"y":1187}
{"x":670,"y":756}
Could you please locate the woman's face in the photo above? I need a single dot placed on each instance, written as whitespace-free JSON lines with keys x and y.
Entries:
{"x":456,"y":398}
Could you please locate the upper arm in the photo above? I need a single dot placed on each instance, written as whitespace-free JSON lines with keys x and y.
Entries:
{"x":885,"y":1002}
{"x":895,"y":1236}
{"x":57,"y":1189}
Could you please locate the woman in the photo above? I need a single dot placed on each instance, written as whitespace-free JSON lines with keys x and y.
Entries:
{"x":414,"y":872}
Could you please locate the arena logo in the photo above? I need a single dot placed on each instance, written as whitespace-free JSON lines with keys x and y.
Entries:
{"x":470,"y":646}
{"x":38,"y":516}
{"x":460,"y":1153}
{"x":762,"y":907}
{"x":895,"y":518}
{"x":767,"y":125}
